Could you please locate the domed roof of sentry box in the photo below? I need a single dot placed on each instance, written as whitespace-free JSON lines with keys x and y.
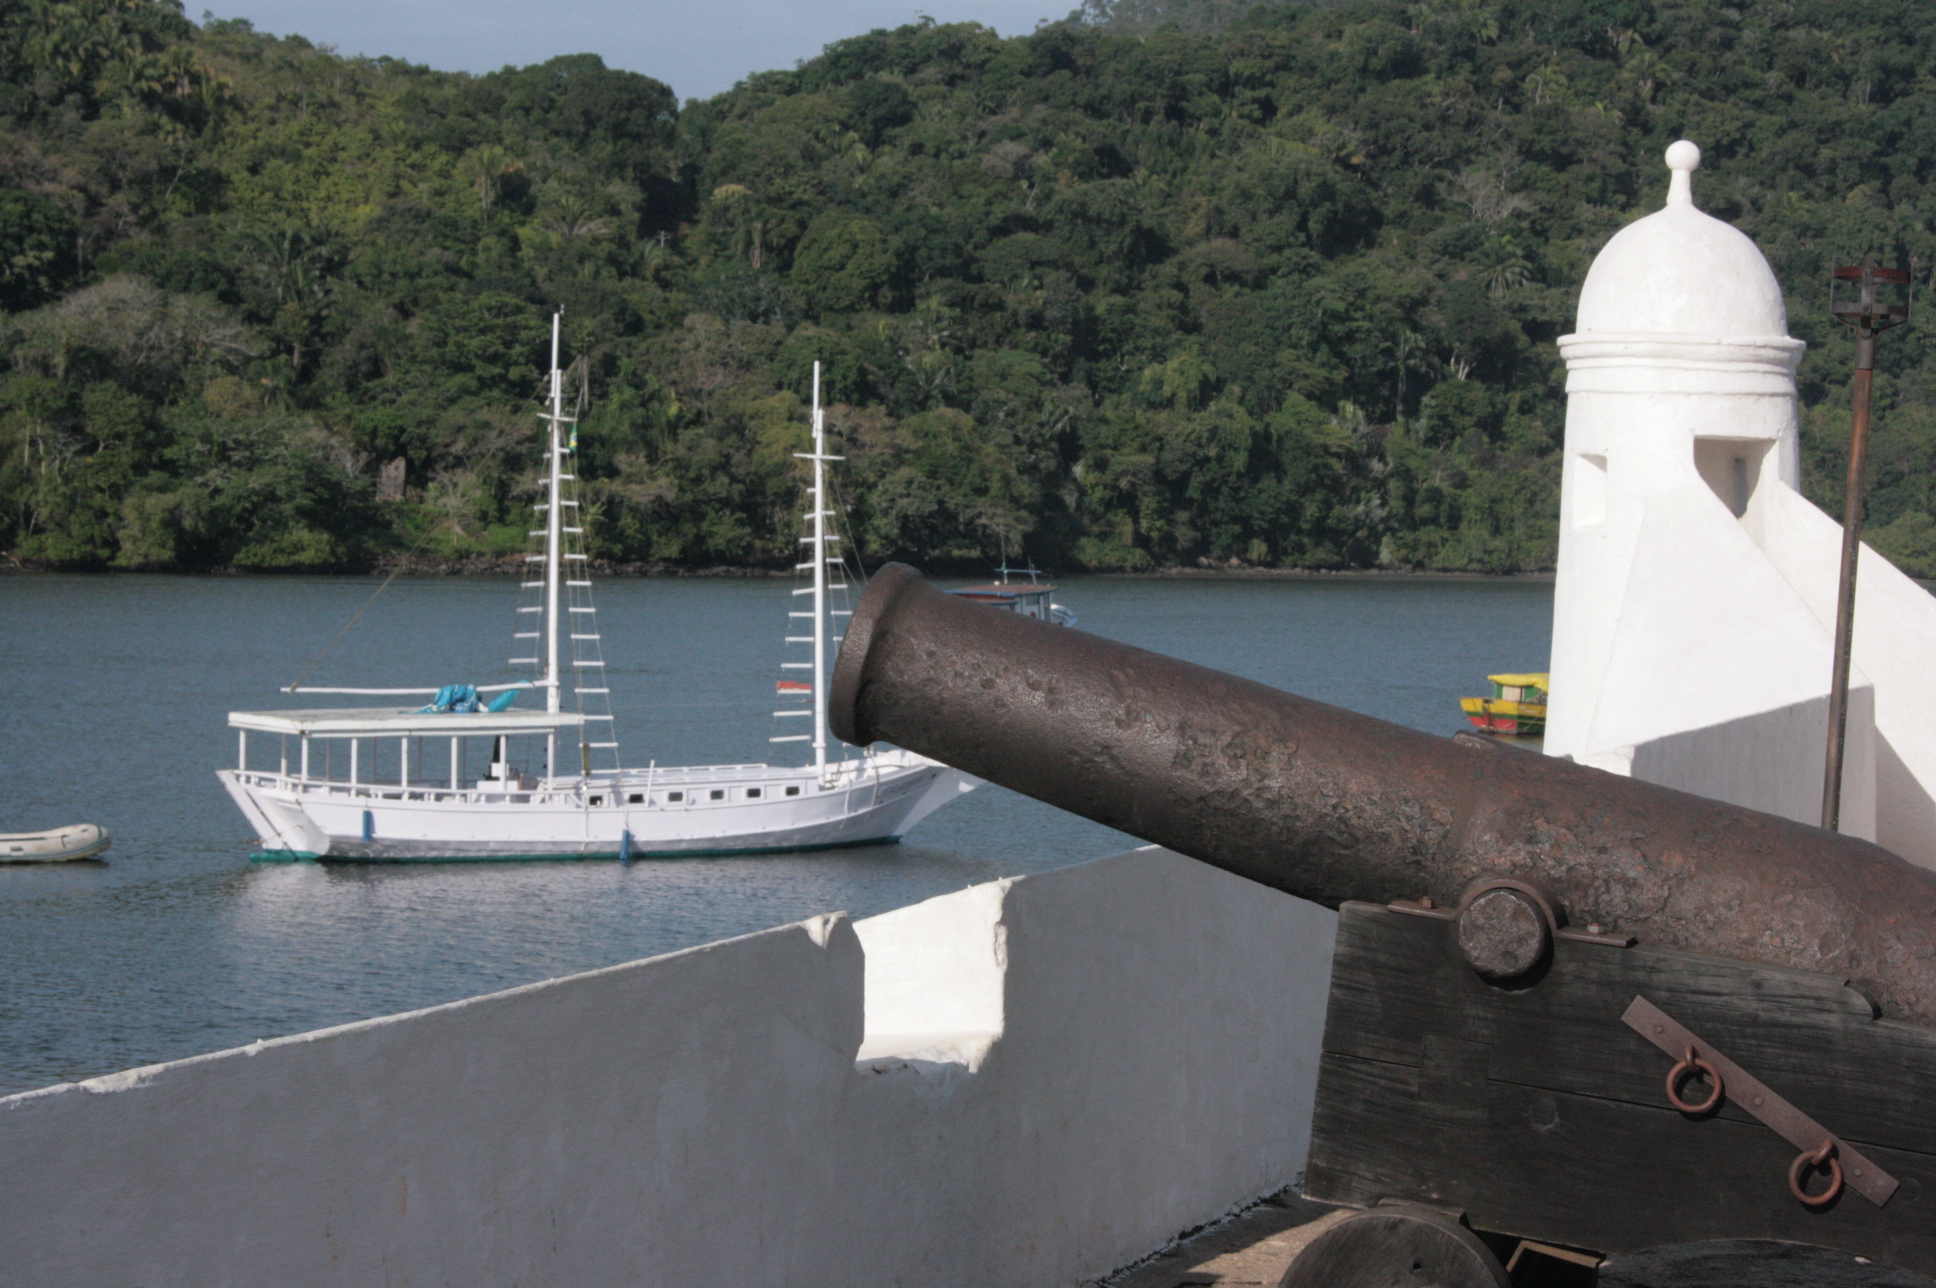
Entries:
{"x":1681,"y":272}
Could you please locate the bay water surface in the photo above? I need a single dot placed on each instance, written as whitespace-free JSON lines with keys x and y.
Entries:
{"x":116,"y":695}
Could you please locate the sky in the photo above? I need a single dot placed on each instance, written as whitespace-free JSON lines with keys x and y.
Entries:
{"x":697,"y":48}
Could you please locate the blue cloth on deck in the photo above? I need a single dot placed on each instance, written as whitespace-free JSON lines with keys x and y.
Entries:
{"x":452,"y":697}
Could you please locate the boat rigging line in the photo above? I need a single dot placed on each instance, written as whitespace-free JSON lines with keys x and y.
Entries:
{"x":317,"y":660}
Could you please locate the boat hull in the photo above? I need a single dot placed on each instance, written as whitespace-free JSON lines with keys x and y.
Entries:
{"x":1505,"y":716}
{"x":868,"y":802}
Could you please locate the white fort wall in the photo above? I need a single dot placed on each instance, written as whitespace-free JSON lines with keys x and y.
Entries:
{"x":1694,"y":613}
{"x":1029,"y":1082}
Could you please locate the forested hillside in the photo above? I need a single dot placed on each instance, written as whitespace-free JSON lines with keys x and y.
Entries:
{"x":1108,"y":296}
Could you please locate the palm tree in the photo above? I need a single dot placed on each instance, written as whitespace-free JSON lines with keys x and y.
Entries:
{"x":1409,"y":354}
{"x":572,"y":218}
{"x":485,"y":168}
{"x":750,"y":218}
{"x":1507,"y":268}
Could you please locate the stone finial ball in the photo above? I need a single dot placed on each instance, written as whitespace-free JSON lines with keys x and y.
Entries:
{"x":1684,"y":155}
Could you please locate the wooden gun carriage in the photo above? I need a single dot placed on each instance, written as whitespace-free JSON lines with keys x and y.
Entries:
{"x":1573,"y":1017}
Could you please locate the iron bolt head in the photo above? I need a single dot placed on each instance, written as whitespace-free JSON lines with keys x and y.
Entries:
{"x":1503,"y":934}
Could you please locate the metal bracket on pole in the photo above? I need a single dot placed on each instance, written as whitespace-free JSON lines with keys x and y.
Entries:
{"x":1870,"y":318}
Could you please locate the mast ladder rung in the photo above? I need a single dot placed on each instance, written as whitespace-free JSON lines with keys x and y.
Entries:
{"x":526,"y":635}
{"x":799,"y":639}
{"x":523,"y":661}
{"x":530,"y":585}
{"x":584,"y":637}
{"x":538,"y":533}
{"x":575,"y":609}
{"x":792,"y":737}
{"x":799,"y":614}
{"x":572,"y":478}
{"x":802,"y":567}
{"x":535,"y":559}
{"x":807,"y":541}
{"x":571,"y":530}
{"x":573,"y":583}
{"x":591,"y":715}
{"x":542,"y":505}
{"x":572,"y":556}
{"x":778,"y":714}
{"x":534,"y":608}
{"x":596,"y":691}
{"x":572,"y":504}
{"x":582,"y":665}
{"x":808,"y":590}
{"x":796,"y":666}
{"x":601,"y":744}
{"x":840,"y":612}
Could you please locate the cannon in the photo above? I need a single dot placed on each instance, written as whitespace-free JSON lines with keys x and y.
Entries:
{"x":1573,"y":1017}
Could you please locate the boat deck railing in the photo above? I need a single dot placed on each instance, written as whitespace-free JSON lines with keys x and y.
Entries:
{"x":296,"y":785}
{"x":573,"y":792}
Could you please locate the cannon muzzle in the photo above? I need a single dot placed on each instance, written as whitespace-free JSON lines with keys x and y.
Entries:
{"x":1330,"y":805}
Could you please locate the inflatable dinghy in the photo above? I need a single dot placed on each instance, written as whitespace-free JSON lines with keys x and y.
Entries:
{"x":61,"y":845}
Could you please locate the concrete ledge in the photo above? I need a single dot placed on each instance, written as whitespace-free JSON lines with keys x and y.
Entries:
{"x":1023,"y":1083}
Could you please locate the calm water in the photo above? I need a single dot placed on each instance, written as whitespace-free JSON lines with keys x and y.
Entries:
{"x":117,"y":689}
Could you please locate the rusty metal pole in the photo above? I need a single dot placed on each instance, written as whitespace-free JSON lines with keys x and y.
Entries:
{"x":1869,"y":319}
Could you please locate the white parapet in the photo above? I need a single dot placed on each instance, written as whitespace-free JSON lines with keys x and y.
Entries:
{"x":1026,"y":1083}
{"x":1695,"y":606}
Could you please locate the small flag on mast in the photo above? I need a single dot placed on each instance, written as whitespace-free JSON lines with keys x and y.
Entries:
{"x":793,"y":686}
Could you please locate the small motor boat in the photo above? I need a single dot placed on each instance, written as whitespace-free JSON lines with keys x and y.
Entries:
{"x":61,"y":845}
{"x":1517,"y":705}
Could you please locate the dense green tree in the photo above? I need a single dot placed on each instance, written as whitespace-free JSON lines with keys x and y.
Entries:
{"x":843,"y":264}
{"x":1172,"y":282}
{"x":36,"y":249}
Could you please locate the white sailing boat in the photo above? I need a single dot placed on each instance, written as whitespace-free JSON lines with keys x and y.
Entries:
{"x":348,"y":795}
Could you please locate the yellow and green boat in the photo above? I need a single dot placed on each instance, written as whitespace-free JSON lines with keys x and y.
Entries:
{"x":1517,"y":705}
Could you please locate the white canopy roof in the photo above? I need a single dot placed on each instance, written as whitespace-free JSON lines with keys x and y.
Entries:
{"x":394,"y":722}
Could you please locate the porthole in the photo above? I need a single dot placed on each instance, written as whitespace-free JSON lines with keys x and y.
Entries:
{"x":718,"y":793}
{"x":598,"y":800}
{"x":752,"y":793}
{"x":675,"y":797}
{"x":636,"y":798}
{"x":793,"y":791}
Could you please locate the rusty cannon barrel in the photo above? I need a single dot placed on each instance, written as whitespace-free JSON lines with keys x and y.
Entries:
{"x":1331,"y":805}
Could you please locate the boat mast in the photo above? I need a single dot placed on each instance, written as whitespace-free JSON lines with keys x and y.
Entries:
{"x":553,"y":696}
{"x":819,"y":581}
